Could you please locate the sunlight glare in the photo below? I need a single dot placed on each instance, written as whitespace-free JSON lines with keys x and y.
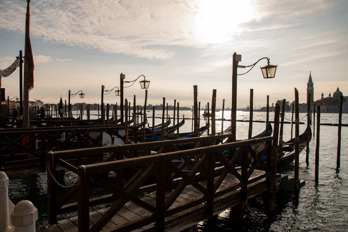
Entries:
{"x":217,"y":21}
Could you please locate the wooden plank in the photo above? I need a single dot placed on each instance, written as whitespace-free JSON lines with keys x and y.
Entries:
{"x":117,"y":219}
{"x":67,"y":225}
{"x":132,"y":213}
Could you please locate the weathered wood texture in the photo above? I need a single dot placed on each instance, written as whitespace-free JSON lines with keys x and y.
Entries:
{"x":164,"y":191}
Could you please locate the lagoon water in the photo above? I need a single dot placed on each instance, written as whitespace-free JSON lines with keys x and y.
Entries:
{"x":316,"y":208}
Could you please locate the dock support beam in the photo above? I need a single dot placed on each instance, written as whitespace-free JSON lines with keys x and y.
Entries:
{"x":272,"y":160}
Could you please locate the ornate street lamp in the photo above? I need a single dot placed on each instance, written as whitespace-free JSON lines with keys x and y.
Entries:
{"x":268,"y":72}
{"x":81,"y":95}
{"x":144,"y":84}
{"x":106,"y":92}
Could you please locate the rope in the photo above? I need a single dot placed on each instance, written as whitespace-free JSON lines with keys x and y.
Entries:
{"x":55,"y":180}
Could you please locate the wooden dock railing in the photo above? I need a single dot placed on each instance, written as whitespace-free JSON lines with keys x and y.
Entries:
{"x":213,"y":178}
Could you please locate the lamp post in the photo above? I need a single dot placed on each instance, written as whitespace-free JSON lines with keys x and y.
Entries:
{"x":144,"y":84}
{"x":268,"y":72}
{"x":105,"y":92}
{"x":80,"y":93}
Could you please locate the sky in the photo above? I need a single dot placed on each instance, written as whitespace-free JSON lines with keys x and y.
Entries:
{"x":176,"y":44}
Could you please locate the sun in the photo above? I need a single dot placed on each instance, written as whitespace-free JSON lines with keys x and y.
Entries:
{"x":216,"y":21}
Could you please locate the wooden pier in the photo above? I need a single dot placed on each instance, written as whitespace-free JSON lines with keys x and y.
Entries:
{"x":167,"y":190}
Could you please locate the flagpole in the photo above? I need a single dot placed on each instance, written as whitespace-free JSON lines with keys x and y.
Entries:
{"x":28,"y":69}
{"x":20,"y":82}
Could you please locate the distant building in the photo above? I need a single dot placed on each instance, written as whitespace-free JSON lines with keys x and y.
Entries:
{"x":331,"y":104}
{"x":310,"y":89}
{"x":328,"y":104}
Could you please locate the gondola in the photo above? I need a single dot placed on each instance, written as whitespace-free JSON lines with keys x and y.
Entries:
{"x":154,"y":135}
{"x":185,"y":135}
{"x":288,"y":148}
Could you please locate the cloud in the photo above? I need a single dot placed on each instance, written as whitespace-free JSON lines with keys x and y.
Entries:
{"x":145,"y":29}
{"x":109,"y":26}
{"x":42,"y":59}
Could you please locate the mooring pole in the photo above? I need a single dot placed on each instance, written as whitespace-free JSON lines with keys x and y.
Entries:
{"x":313,"y":121}
{"x":282,"y":124}
{"x":317,"y":145}
{"x":20,"y":82}
{"x":174,"y":111}
{"x":144,"y":120}
{"x":292,"y":120}
{"x":267,"y":113}
{"x":213,"y":108}
{"x":126,"y":121}
{"x":308,"y":125}
{"x":183,"y":117}
{"x":273,"y":161}
{"x":163,"y":115}
{"x":195,"y":110}
{"x":153,"y":122}
{"x":339,"y":136}
{"x":222,"y":117}
{"x":208,"y":111}
{"x":235,"y":60}
{"x":88,"y":111}
{"x":135,"y":118}
{"x":251,"y":110}
{"x":122,"y":77}
{"x":297,"y":184}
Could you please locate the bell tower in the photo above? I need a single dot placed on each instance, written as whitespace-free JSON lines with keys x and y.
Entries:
{"x":310,"y":89}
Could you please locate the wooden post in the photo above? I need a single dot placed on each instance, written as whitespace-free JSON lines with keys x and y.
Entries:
{"x":153,"y":122}
{"x":135,"y":109}
{"x":174,"y":110}
{"x":65,"y":109}
{"x":235,"y":60}
{"x":282,"y":124}
{"x":163,"y":113}
{"x":126,"y":121}
{"x":210,"y":184}
{"x":199,"y":115}
{"x":81,"y":111}
{"x":208,"y":111}
{"x":297,"y":120}
{"x":314,"y":121}
{"x":167,"y":112}
{"x":222,"y":117}
{"x":317,"y":145}
{"x":339,"y":136}
{"x":251,"y":109}
{"x":292,"y":119}
{"x":129,"y":111}
{"x":272,"y":180}
{"x":83,"y":200}
{"x":308,"y":125}
{"x":115,"y":109}
{"x":20,"y":82}
{"x":98,"y":111}
{"x":213,"y":108}
{"x":51,"y":189}
{"x":88,"y":109}
{"x":195,"y":110}
{"x":267,"y":113}
{"x":144,"y":120}
{"x":108,"y":114}
{"x":177,"y":131}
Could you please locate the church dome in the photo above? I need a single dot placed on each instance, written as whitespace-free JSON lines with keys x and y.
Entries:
{"x":337,"y":93}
